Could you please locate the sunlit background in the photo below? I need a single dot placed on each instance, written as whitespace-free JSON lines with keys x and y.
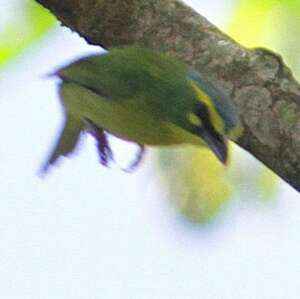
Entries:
{"x":181,"y":226}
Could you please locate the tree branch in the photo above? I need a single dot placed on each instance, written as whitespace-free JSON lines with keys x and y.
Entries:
{"x":261,"y":86}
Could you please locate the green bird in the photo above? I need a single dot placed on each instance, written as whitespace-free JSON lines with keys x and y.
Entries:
{"x":143,"y":96}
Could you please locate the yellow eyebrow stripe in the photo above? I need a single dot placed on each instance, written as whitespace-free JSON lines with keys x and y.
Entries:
{"x":216,"y":119}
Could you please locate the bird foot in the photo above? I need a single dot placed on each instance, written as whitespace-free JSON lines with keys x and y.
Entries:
{"x":104,"y":150}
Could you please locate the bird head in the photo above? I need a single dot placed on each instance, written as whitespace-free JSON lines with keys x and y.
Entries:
{"x":217,"y":116}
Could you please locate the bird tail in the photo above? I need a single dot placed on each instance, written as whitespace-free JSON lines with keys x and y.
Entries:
{"x":65,"y":143}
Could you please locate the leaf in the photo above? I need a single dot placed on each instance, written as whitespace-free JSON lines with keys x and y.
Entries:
{"x":196,"y":181}
{"x":24,"y":30}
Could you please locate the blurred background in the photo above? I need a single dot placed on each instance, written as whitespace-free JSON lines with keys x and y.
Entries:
{"x":181,"y":226}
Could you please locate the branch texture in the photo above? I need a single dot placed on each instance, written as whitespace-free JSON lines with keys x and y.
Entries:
{"x":262,"y":87}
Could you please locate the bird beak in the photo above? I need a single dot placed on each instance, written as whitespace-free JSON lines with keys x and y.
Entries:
{"x":218,"y":144}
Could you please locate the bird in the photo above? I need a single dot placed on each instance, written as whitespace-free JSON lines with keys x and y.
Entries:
{"x":143,"y":96}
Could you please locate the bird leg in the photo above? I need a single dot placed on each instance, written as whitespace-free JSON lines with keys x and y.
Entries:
{"x":104,"y":150}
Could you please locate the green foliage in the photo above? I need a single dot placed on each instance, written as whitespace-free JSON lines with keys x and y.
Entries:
{"x":267,"y":184}
{"x":26,"y":27}
{"x":273,"y":24}
{"x":197,"y":183}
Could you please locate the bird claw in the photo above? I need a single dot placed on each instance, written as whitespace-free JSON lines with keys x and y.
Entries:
{"x":104,"y":150}
{"x":138,"y":158}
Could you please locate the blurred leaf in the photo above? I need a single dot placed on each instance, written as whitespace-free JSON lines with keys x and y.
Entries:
{"x":267,"y":184}
{"x":25,"y":29}
{"x":247,"y":25}
{"x":273,"y":24}
{"x":294,"y":5}
{"x":253,"y":179}
{"x":287,"y":37}
{"x":196,"y":181}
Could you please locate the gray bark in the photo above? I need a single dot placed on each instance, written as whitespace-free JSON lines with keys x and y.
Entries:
{"x":261,"y":85}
